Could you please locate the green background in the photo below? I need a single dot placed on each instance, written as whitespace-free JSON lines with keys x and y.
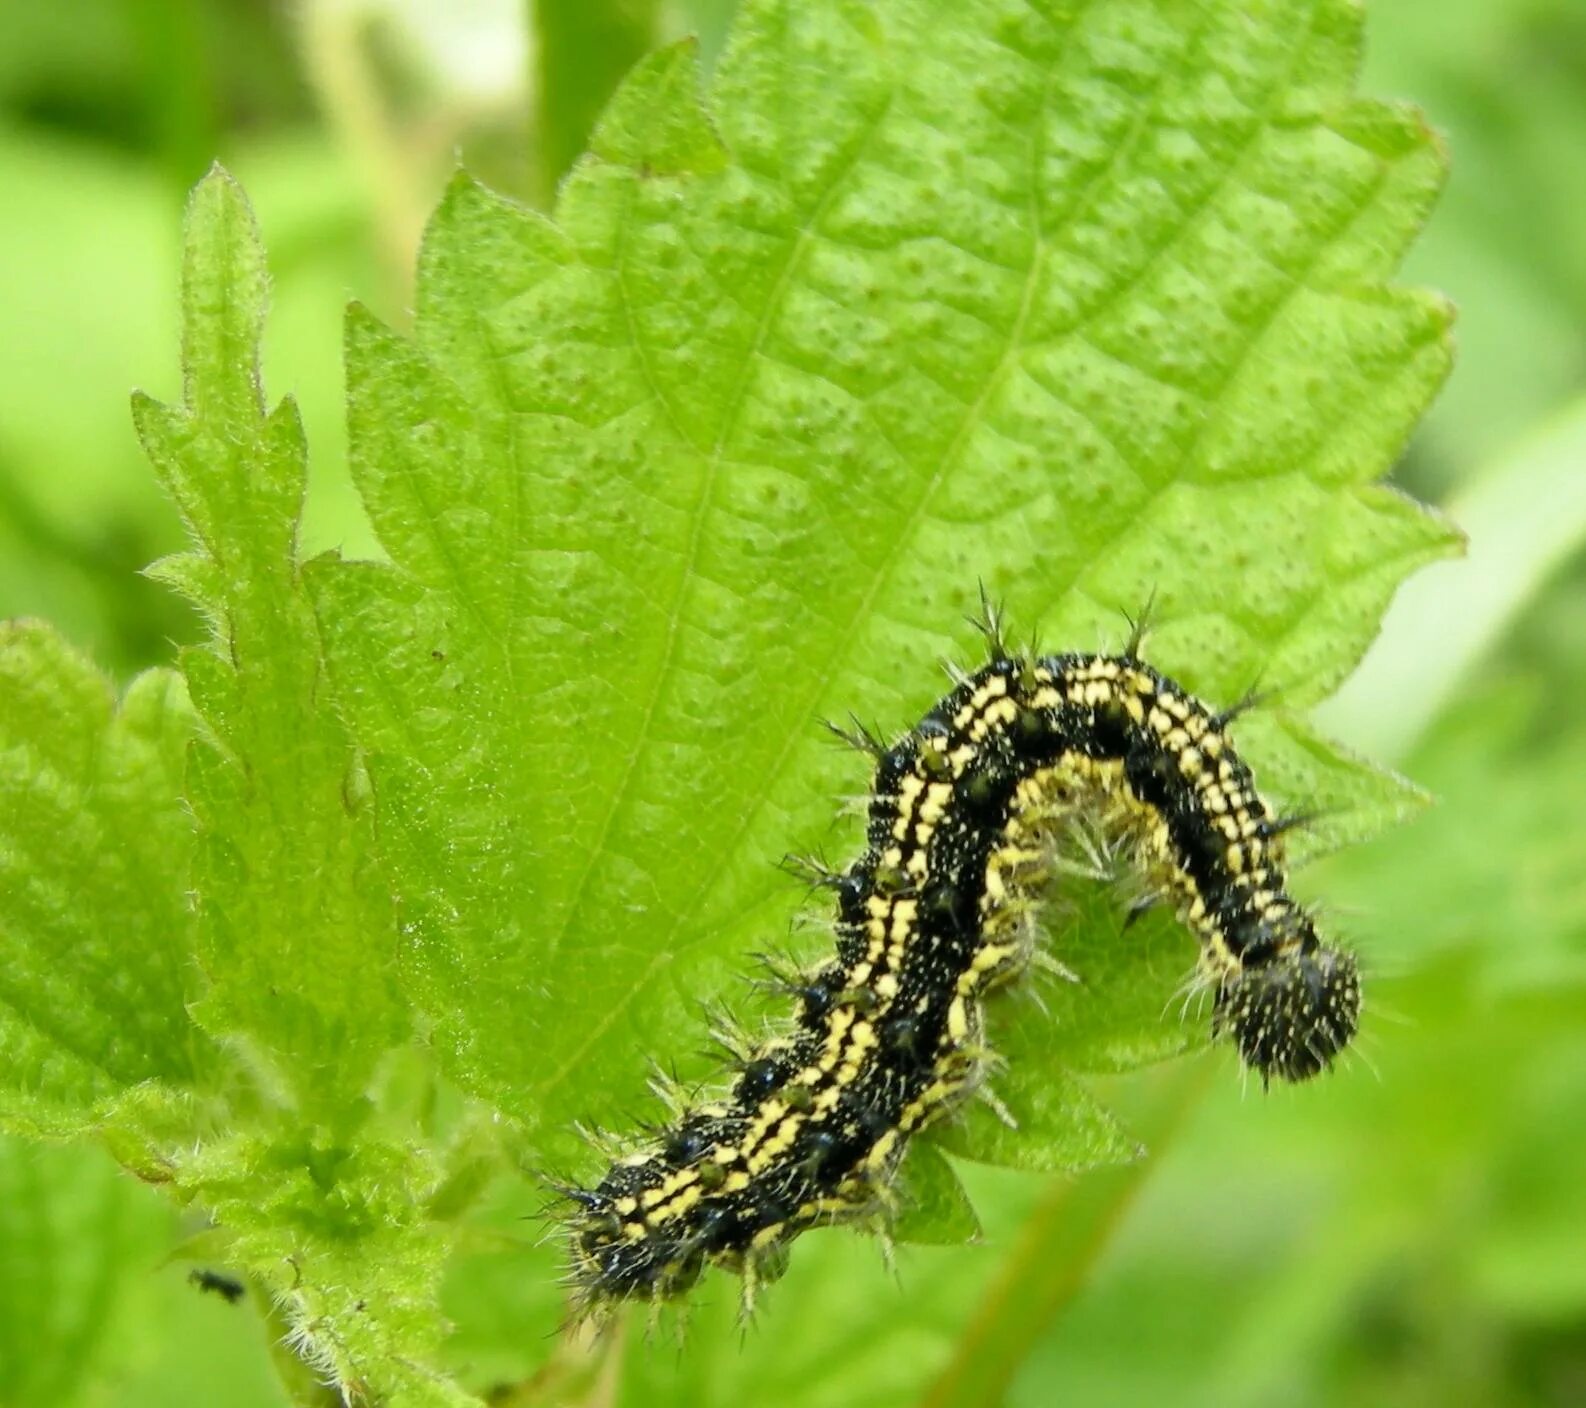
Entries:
{"x":1413,"y":1236}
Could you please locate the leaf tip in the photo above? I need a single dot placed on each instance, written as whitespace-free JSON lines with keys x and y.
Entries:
{"x":224,"y":294}
{"x":656,"y":121}
{"x":359,"y":322}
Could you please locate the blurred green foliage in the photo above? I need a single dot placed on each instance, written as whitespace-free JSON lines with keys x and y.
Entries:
{"x":1441,"y":1253}
{"x":1505,"y":81}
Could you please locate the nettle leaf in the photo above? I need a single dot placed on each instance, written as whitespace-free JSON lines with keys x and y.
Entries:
{"x":94,"y":926}
{"x":1085,"y":303}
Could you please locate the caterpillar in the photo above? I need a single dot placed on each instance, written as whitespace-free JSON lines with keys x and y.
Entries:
{"x":964,"y":815}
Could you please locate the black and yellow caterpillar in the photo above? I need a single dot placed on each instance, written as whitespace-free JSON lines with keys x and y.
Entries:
{"x":964,"y":814}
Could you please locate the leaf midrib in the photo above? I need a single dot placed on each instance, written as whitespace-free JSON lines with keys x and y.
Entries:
{"x":824,"y":676}
{"x":700,"y":514}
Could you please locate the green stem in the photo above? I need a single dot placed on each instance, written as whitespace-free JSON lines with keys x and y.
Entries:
{"x":178,"y":85}
{"x":582,"y":50}
{"x":336,"y":56}
{"x":1057,"y":1250}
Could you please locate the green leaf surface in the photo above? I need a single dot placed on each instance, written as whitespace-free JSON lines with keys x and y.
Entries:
{"x":1087,"y":304}
{"x":932,"y":1204}
{"x":95,"y":930}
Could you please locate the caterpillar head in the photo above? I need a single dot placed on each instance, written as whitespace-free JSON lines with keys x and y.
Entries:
{"x":608,"y":1263}
{"x":1291,"y":1015}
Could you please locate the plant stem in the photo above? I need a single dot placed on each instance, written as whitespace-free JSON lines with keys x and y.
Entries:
{"x":1057,"y":1250}
{"x":583,"y":48}
{"x":334,"y":52}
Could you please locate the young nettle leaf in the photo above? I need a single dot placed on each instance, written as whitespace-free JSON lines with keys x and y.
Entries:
{"x":94,"y":924}
{"x":1087,"y":304}
{"x":295,"y":933}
